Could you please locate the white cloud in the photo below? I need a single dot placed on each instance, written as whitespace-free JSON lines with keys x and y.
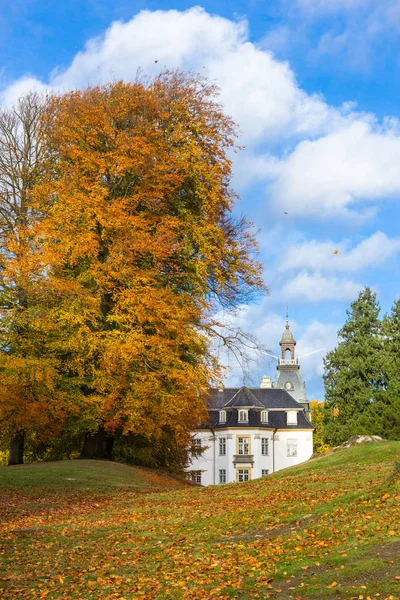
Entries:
{"x":332,"y":159}
{"x":258,"y":91}
{"x":329,"y":176}
{"x":10,"y":95}
{"x":371,"y":252}
{"x":315,"y":287}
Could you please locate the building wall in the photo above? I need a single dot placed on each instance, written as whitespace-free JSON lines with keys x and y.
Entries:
{"x":210,"y":461}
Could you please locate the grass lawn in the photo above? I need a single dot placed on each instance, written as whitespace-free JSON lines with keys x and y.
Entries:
{"x":329,"y":528}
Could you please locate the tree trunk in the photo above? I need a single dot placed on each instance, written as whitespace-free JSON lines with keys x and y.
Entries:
{"x":17,"y":449}
{"x":97,"y":445}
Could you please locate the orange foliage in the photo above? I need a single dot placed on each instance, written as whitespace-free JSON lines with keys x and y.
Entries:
{"x":138,"y":246}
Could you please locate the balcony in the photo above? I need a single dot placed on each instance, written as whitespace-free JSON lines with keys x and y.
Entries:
{"x":288,"y":361}
{"x":241,"y":459}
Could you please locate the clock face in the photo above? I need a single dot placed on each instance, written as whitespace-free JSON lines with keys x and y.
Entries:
{"x":288,"y":385}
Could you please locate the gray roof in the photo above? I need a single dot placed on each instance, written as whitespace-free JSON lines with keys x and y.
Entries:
{"x":259,"y":397}
{"x":276,"y":420}
{"x":233,"y":399}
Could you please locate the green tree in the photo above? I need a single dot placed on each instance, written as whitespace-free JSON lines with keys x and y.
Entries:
{"x":354,"y":376}
{"x":386,"y":408}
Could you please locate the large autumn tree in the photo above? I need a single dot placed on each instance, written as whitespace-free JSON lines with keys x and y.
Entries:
{"x":140,"y":247}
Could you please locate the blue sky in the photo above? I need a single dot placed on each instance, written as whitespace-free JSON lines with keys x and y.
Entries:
{"x":314,"y":86}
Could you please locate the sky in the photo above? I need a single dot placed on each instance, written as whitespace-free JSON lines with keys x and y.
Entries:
{"x":314,"y":88}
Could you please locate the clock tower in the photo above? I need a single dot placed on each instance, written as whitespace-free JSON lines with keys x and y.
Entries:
{"x":289,"y":377}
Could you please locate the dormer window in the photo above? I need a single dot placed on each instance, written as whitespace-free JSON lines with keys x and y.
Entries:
{"x":291,"y":417}
{"x":222,"y":416}
{"x":243,"y":416}
{"x":264,"y":416}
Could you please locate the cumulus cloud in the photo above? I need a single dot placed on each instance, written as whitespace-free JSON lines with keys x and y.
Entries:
{"x":258,"y":91}
{"x":329,"y":177}
{"x":371,"y":252}
{"x":10,"y":95}
{"x":326,"y":161}
{"x":314,"y":287}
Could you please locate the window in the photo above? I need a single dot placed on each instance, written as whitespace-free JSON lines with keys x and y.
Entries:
{"x":222,"y":416}
{"x":292,"y":447}
{"x":243,"y":416}
{"x":264,"y":416}
{"x":243,"y":474}
{"x":291,"y":417}
{"x":195,"y":476}
{"x":264,"y":472}
{"x":264,"y":446}
{"x":196,"y":445}
{"x":222,"y":475}
{"x":243,"y":445}
{"x":222,"y":446}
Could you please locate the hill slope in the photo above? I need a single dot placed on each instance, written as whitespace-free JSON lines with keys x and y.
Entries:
{"x":328,"y":528}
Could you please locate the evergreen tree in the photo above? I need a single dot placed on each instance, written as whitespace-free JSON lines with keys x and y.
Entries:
{"x":354,"y":376}
{"x":386,"y":409}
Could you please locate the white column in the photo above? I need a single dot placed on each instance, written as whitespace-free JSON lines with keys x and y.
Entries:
{"x":256,"y":451}
{"x":230,"y":451}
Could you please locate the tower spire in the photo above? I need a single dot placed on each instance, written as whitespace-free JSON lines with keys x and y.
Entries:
{"x":287,"y":342}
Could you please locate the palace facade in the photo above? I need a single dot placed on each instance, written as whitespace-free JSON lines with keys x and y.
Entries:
{"x":252,"y":432}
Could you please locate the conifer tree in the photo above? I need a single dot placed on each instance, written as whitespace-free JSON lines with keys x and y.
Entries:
{"x":386,"y":408}
{"x":354,"y":375}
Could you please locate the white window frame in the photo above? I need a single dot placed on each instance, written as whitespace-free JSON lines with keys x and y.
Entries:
{"x":222,"y":446}
{"x":264,"y":472}
{"x":195,"y":476}
{"x":264,"y":416}
{"x":222,"y":476}
{"x":243,"y":416}
{"x":243,"y":444}
{"x":196,"y":444}
{"x":291,"y":417}
{"x":292,"y":447}
{"x":222,"y":416}
{"x":264,"y":446}
{"x":243,"y":475}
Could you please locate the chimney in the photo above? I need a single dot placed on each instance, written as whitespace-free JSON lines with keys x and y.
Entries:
{"x":265,"y":382}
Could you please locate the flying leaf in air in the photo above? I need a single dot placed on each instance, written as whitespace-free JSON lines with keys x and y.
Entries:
{"x":336,"y":252}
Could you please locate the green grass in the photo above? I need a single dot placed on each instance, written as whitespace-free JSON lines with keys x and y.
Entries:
{"x":326,"y":529}
{"x":85,"y":475}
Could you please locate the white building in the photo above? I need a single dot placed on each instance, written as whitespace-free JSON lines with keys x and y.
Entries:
{"x":253,"y":432}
